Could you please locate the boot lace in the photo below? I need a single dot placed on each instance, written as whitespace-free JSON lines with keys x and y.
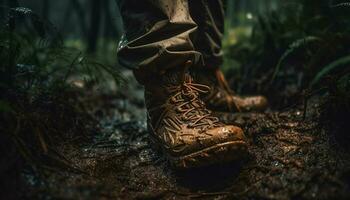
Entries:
{"x":231,"y":103}
{"x":192,"y":109}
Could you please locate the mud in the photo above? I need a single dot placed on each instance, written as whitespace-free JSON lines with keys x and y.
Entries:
{"x":291,"y":157}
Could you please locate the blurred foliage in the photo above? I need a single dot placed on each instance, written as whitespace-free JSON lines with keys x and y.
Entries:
{"x":39,"y":76}
{"x":292,"y":46}
{"x":302,"y":46}
{"x":295,"y":52}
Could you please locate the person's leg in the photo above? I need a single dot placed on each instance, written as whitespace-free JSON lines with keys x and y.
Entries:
{"x":158,"y":46}
{"x":209,"y":16}
{"x":158,"y":36}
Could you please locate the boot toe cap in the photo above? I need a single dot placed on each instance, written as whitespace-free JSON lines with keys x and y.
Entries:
{"x":253,"y":103}
{"x":220,"y":144}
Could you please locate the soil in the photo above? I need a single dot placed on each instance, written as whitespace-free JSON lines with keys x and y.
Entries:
{"x":291,"y":157}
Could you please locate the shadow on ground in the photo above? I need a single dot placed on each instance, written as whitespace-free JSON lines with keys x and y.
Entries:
{"x":290,"y":158}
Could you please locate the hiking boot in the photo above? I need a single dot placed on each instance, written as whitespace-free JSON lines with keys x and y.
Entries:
{"x":221,"y":98}
{"x":182,"y":126}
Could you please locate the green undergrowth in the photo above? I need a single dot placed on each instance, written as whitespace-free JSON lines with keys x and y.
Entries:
{"x":41,"y":80}
{"x":294,"y":53}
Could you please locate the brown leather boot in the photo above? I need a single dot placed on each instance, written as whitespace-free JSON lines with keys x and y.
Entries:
{"x":221,"y":98}
{"x":184,"y":128}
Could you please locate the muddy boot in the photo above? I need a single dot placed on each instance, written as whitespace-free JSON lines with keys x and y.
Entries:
{"x":187,"y":132}
{"x":221,"y":98}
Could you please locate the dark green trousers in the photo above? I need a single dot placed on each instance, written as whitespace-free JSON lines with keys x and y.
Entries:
{"x":164,"y":34}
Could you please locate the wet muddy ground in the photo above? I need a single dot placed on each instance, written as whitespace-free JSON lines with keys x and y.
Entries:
{"x":291,"y":157}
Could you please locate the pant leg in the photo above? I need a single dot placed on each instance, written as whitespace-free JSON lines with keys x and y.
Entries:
{"x":209,"y":16}
{"x":158,"y":36}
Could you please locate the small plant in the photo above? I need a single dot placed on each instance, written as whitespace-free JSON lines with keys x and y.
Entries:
{"x":303,"y":47}
{"x":39,"y":108}
{"x":293,"y":49}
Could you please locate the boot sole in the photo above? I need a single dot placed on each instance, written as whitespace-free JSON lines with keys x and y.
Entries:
{"x":219,"y":153}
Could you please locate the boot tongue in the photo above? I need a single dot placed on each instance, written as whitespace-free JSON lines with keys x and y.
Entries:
{"x":174,"y":77}
{"x":177,"y":76}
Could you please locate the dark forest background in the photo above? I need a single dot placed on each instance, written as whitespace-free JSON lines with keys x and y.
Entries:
{"x":57,"y":57}
{"x":91,"y":21}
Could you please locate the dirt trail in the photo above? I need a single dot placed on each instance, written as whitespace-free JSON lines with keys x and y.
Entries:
{"x":290,"y":158}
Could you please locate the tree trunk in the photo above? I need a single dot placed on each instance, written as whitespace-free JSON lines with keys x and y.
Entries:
{"x":46,"y":9}
{"x":230,"y":14}
{"x":236,"y":8}
{"x":13,"y":3}
{"x":11,"y":66}
{"x":68,"y":13}
{"x":109,"y":27}
{"x":119,"y":22}
{"x":81,"y":15}
{"x":95,"y":20}
{"x":2,"y":11}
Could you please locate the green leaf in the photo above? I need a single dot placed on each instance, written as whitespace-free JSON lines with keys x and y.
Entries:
{"x":341,"y":5}
{"x":292,"y":48}
{"x":341,"y":62}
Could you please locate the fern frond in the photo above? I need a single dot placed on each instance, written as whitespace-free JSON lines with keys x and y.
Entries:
{"x":341,"y":5}
{"x":341,"y":62}
{"x":291,"y":49}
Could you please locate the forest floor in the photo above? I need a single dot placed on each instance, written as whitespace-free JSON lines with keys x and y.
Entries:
{"x":291,"y":157}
